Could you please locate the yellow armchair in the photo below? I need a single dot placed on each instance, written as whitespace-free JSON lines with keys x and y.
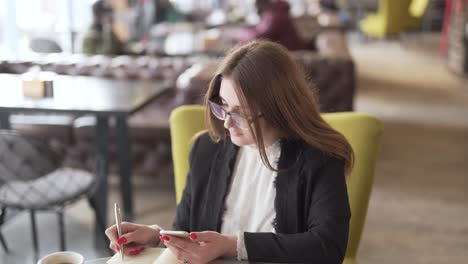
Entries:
{"x":185,"y":122}
{"x":394,"y":17}
{"x":363,"y":131}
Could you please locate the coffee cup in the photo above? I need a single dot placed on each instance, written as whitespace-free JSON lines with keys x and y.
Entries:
{"x":62,"y":257}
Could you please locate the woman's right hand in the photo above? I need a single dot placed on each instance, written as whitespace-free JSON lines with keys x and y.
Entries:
{"x":135,"y":238}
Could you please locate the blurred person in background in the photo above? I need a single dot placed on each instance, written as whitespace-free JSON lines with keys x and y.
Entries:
{"x":100,"y":37}
{"x":275,"y":24}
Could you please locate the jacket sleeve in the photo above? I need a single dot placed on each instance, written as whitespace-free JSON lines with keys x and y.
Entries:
{"x":182,"y":219}
{"x":326,"y":239}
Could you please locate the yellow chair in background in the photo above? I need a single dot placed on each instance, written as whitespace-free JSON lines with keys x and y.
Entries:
{"x":418,"y":7}
{"x":416,"y":11}
{"x":390,"y":19}
{"x":394,"y":17}
{"x":363,"y":131}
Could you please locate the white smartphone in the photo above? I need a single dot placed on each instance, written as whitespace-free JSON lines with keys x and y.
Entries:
{"x":175,"y":233}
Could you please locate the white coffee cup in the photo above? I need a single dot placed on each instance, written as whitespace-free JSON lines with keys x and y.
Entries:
{"x":62,"y":257}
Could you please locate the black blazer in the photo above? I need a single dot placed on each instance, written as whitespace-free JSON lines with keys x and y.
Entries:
{"x":312,"y":208}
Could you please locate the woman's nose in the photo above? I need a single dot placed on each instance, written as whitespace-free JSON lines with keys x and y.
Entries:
{"x":228,"y":122}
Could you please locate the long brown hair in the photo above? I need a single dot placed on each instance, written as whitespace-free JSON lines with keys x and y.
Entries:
{"x":268,"y":81}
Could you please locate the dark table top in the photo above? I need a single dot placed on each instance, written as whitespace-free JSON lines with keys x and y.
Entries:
{"x":82,"y":95}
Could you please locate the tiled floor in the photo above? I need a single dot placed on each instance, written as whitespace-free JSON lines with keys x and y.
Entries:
{"x":419,"y":205}
{"x":419,"y":202}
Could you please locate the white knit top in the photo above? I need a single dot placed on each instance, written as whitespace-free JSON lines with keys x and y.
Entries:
{"x":250,"y":201}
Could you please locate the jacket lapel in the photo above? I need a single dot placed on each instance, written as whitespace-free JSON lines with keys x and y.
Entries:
{"x":286,"y":184}
{"x":220,"y":181}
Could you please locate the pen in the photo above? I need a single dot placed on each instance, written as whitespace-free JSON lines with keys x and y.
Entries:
{"x":118,"y":221}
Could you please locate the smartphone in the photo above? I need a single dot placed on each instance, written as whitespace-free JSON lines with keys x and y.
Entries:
{"x":175,"y":233}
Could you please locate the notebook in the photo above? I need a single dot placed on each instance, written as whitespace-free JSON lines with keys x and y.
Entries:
{"x":148,"y":256}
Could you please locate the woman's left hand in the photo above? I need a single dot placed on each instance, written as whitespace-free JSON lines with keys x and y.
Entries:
{"x":202,"y":247}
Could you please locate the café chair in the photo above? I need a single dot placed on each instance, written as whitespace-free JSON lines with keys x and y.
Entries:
{"x":389,"y":19}
{"x":394,"y":17}
{"x":416,"y":11}
{"x":363,"y":132}
{"x":32,"y":179}
{"x":44,"y":45}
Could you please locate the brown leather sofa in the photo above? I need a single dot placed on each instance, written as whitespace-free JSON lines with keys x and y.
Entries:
{"x":330,"y":68}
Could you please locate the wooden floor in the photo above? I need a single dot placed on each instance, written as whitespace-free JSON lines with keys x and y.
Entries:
{"x":419,"y":206}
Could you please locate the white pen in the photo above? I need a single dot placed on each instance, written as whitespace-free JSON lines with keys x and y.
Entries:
{"x":118,"y":221}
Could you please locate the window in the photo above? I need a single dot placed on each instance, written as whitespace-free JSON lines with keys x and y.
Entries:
{"x":56,"y":20}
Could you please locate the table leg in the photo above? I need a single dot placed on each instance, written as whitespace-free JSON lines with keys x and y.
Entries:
{"x":5,"y":120}
{"x":123,"y":147}
{"x":102,"y":169}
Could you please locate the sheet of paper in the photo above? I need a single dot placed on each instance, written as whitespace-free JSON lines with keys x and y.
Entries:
{"x":148,"y":256}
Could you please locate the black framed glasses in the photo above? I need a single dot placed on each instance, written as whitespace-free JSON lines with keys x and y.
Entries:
{"x":222,"y":114}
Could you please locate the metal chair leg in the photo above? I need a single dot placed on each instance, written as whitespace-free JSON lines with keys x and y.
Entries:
{"x":34,"y":234}
{"x":61,"y":229}
{"x":2,"y":238}
{"x":4,"y":245}
{"x":100,"y":226}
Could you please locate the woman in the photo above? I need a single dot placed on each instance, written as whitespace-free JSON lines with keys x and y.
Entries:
{"x":100,"y":38}
{"x":267,"y":183}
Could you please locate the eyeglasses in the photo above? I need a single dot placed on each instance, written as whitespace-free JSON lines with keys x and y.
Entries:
{"x":221,"y":113}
